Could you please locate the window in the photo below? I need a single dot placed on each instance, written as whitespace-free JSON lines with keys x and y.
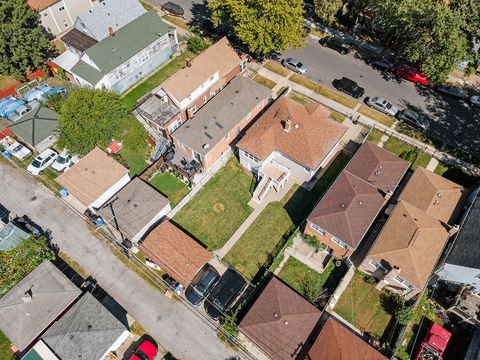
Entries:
{"x":174,"y":126}
{"x":243,"y":65}
{"x":193,"y":108}
{"x":61,"y":8}
{"x":318,"y":229}
{"x":403,"y":282}
{"x":247,"y":155}
{"x":377,"y":266}
{"x":339,"y":242}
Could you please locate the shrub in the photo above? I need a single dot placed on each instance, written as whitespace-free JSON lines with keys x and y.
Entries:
{"x":196,"y":44}
{"x":313,"y":242}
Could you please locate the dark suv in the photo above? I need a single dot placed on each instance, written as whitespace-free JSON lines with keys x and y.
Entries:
{"x":224,"y":293}
{"x":336,"y":43}
{"x":349,"y":87}
{"x":201,"y":284}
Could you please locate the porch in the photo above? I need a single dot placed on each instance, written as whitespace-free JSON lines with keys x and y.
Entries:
{"x":181,"y":166}
{"x":272,"y":175}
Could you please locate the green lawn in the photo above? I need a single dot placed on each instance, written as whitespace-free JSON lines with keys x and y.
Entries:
{"x":262,"y":80}
{"x":375,"y":136}
{"x":376,"y":115}
{"x":174,"y":189}
{"x":5,"y":352}
{"x":258,"y":246}
{"x":136,"y":160}
{"x":422,"y":160}
{"x":177,"y":21}
{"x":360,"y":305}
{"x":276,"y":68}
{"x":217,"y":211}
{"x":441,"y":168}
{"x":171,"y":67}
{"x":298,"y":98}
{"x":337,"y":117}
{"x":397,"y":147}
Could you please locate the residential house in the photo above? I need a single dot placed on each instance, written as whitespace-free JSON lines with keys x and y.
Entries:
{"x":33,"y":304}
{"x":134,"y":209}
{"x":115,"y":45}
{"x":409,"y":246}
{"x":280,"y":322}
{"x":348,"y":209}
{"x":175,"y":252}
{"x":86,"y":331}
{"x":11,"y":236}
{"x":336,"y":342}
{"x":461,"y":262}
{"x":57,"y":16}
{"x":289,"y":139}
{"x":37,"y":128}
{"x":217,"y":125}
{"x":93,"y":180}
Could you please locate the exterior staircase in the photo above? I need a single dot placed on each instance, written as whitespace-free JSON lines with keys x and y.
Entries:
{"x":262,"y":189}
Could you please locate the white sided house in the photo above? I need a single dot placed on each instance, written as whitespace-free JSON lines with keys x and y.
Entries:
{"x":289,"y":140}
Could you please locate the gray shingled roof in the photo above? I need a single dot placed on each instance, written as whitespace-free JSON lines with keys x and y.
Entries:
{"x":221,"y":114}
{"x":108,"y":13}
{"x":115,"y":50}
{"x":11,"y":236}
{"x":36,"y":125}
{"x":86,"y":331}
{"x":23,"y":319}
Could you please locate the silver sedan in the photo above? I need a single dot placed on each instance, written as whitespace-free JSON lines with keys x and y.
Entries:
{"x":295,"y":65}
{"x":382,"y":105}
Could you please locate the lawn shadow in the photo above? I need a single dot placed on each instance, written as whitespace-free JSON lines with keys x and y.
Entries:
{"x":335,"y":276}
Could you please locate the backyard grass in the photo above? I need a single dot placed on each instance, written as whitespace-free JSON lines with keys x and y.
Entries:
{"x":276,"y":68}
{"x":259,"y":245}
{"x":167,"y":70}
{"x":177,"y":21}
{"x":337,"y":117}
{"x":375,"y":136}
{"x":422,"y":160}
{"x":398,"y":146}
{"x":376,"y":115}
{"x":360,"y":305}
{"x":323,"y":91}
{"x":5,"y":352}
{"x":59,"y":46}
{"x":217,"y":210}
{"x":174,"y":189}
{"x":265,"y":81}
{"x":135,"y":159}
{"x":298,"y":98}
{"x":146,"y":6}
{"x":441,"y":168}
{"x":6,"y":81}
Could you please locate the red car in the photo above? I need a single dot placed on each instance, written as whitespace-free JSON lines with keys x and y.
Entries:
{"x":434,"y":344}
{"x":412,"y":75}
{"x":146,"y":351}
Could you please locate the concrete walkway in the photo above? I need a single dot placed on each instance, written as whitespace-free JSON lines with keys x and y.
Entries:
{"x":432,"y":165}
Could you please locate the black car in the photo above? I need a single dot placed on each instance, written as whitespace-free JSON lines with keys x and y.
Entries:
{"x":336,"y":43}
{"x":380,"y":64}
{"x":201,"y":284}
{"x":349,"y":87}
{"x":452,"y":91}
{"x":414,"y":118}
{"x":224,"y":293}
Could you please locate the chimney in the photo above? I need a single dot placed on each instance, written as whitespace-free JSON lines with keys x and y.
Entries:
{"x":27,"y":297}
{"x":189,"y":62}
{"x":110,"y":31}
{"x":287,"y":125}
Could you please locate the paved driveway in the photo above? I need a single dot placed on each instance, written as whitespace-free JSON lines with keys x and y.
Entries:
{"x":453,"y":122}
{"x":170,"y":322}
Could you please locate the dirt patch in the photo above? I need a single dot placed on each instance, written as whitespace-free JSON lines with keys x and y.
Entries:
{"x":219,"y":208}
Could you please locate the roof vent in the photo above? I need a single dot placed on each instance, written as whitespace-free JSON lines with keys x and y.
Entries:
{"x":436,"y":202}
{"x":205,"y":146}
{"x":439,"y":195}
{"x":287,"y":125}
{"x":285,"y":322}
{"x":275,"y":314}
{"x":110,"y":31}
{"x":188,"y":62}
{"x":376,"y":173}
{"x":342,"y":205}
{"x":360,"y":203}
{"x":296,"y":126}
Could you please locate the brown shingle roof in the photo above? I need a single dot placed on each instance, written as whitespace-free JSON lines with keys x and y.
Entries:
{"x":348,"y":208}
{"x":311,"y":137}
{"x":219,"y":57}
{"x":437,"y":196}
{"x":411,"y":240}
{"x":94,"y":174}
{"x":377,"y":166}
{"x":175,"y":252}
{"x":39,"y":5}
{"x":336,"y":342}
{"x":280,"y":321}
{"x":78,"y":40}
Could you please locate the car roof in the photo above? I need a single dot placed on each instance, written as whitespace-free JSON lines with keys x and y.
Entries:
{"x":348,"y":81}
{"x":227,"y":287}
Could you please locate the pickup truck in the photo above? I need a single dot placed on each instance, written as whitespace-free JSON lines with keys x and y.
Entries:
{"x":434,"y":344}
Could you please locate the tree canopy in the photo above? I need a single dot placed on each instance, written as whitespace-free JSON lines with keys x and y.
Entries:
{"x":327,"y":10}
{"x":23,"y":43}
{"x":264,"y":26}
{"x":91,"y":117}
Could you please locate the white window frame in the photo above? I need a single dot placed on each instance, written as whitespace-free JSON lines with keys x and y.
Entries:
{"x":251,"y":157}
{"x":403,"y":282}
{"x":318,"y":229}
{"x":339,"y":242}
{"x":243,"y":65}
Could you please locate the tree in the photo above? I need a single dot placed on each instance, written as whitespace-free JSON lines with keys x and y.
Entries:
{"x":196,"y":44}
{"x":470,"y":14}
{"x":23,"y":44}
{"x":327,"y":10}
{"x":264,"y":26}
{"x":91,"y":117}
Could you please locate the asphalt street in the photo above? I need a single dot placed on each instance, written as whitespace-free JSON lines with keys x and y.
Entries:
{"x":453,"y":122}
{"x":170,"y":322}
{"x":192,"y":8}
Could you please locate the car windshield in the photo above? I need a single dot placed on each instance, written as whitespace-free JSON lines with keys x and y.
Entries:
{"x":17,"y":148}
{"x":388,"y":105}
{"x":36,"y":163}
{"x":141,"y":355}
{"x":299,"y":64}
{"x":62,"y":160}
{"x":411,"y":115}
{"x":218,"y":303}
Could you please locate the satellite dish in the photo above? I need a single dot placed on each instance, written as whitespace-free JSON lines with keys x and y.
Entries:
{"x":338,"y":263}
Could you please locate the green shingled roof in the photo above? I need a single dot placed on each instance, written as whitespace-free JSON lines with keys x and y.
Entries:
{"x":126,"y":42}
{"x":36,"y":125}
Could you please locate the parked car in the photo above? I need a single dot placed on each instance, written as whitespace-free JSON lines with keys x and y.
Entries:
{"x":173,"y":9}
{"x":475,"y":100}
{"x":414,"y":118}
{"x":224,"y":293}
{"x":22,"y":110}
{"x":18,"y":150}
{"x":336,"y":43}
{"x":201,"y":284}
{"x":42,"y":92}
{"x":434,"y":344}
{"x":42,"y":161}
{"x":452,"y":91}
{"x":295,"y":65}
{"x":64,"y":161}
{"x":9,"y":104}
{"x":147,"y":350}
{"x":380,"y":64}
{"x":349,"y":87}
{"x":382,"y":105}
{"x":411,"y":74}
